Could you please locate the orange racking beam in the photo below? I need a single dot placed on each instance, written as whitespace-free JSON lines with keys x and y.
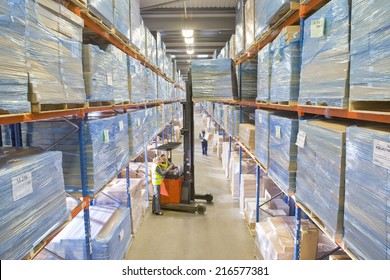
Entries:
{"x":313,"y":5}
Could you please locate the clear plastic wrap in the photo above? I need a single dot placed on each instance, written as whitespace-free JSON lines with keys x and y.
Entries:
{"x":136,"y":134}
{"x":232,"y":47}
{"x":367,"y":192}
{"x":285,"y":68}
{"x":33,"y":201}
{"x":103,"y":148}
{"x":122,"y":17}
{"x":151,"y":47}
{"x":104,"y":9}
{"x":161,"y":88}
{"x":240,"y":28}
{"x":121,"y":135}
{"x":213,"y":79}
{"x":151,"y":85}
{"x":325,"y":57}
{"x":370,"y":47}
{"x":135,"y":25}
{"x":247,"y":190}
{"x":249,"y":23}
{"x":283,"y":152}
{"x":260,"y":25}
{"x":321,"y":171}
{"x":264,"y":68}
{"x":118,"y":63}
{"x":110,"y":235}
{"x":136,"y":79}
{"x":248,"y":80}
{"x":262,"y":119}
{"x":98,"y":76}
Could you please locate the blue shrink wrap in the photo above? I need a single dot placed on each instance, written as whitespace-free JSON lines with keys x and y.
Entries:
{"x":136,"y":79}
{"x":110,"y":235}
{"x":325,"y":57}
{"x":151,"y":47}
{"x":122,"y":17}
{"x":262,"y":122}
{"x":240,"y":27}
{"x":248,"y":80}
{"x":137,"y":135}
{"x":33,"y":200}
{"x":136,"y":26}
{"x":121,"y":135}
{"x":283,"y":152}
{"x":367,"y":192}
{"x":264,"y":68}
{"x":150,"y":86}
{"x":104,"y":9}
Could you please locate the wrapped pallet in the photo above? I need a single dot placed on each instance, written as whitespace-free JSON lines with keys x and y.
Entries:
{"x":247,"y":135}
{"x":150,"y":47}
{"x":370,"y":55}
{"x":274,"y":239}
{"x":110,"y":235}
{"x":33,"y":201}
{"x":232,"y":47}
{"x":247,"y":189}
{"x":320,"y":185}
{"x":103,"y":9}
{"x":106,"y":142}
{"x":136,"y":28}
{"x":249,"y":23}
{"x":213,"y":79}
{"x":325,"y":57}
{"x":97,"y":68}
{"x":367,"y":181}
{"x":136,"y":134}
{"x":240,"y":27}
{"x":283,"y":152}
{"x":122,"y":17}
{"x":248,"y":79}
{"x":285,"y":66}
{"x":150,"y":86}
{"x":248,"y":166}
{"x":264,"y":68}
{"x":136,"y":79}
{"x":262,"y":136}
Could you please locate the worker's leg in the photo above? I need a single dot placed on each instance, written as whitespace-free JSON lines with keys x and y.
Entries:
{"x":205,"y":148}
{"x":156,"y":200}
{"x":204,"y":143}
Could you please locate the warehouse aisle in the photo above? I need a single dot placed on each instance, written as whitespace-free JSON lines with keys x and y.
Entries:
{"x":219,"y":234}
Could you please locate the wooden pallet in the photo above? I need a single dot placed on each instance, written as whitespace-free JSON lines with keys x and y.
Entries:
{"x":121,"y":37}
{"x":93,"y":104}
{"x":305,"y":2}
{"x":285,"y":103}
{"x":283,"y":15}
{"x":262,"y":102}
{"x":94,"y":16}
{"x":123,"y":103}
{"x":39,"y":107}
{"x":349,"y":251}
{"x":251,"y":227}
{"x":374,"y":107}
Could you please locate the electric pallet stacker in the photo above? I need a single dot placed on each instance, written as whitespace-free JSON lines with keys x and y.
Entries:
{"x":180,"y":183}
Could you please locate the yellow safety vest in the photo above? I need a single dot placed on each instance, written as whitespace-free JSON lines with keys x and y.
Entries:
{"x":157,"y":179}
{"x":165,"y":165}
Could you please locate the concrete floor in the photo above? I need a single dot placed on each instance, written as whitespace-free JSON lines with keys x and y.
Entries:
{"x":219,"y":234}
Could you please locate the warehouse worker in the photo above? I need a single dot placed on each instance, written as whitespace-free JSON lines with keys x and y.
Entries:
{"x":165,"y":162}
{"x":203,"y":140}
{"x":157,"y":179}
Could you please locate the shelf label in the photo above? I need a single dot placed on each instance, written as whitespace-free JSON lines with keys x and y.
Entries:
{"x":22,"y":186}
{"x":109,"y":79}
{"x":106,"y":136}
{"x":301,"y":139}
{"x":121,"y":126}
{"x":381,"y":154}
{"x":278,"y":132}
{"x":260,"y":118}
{"x":317,"y":28}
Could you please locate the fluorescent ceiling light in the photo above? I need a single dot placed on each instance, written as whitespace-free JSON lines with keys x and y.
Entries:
{"x":187,"y":33}
{"x":202,"y":55}
{"x":189,"y":40}
{"x":190,"y":51}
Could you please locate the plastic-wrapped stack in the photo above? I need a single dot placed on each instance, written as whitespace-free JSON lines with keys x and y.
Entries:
{"x":142,"y":38}
{"x":98,"y":76}
{"x":264,"y":212}
{"x":367,"y":192}
{"x":285,"y":66}
{"x":262,"y":137}
{"x":247,"y":166}
{"x":150,"y":86}
{"x":13,"y":67}
{"x":283,"y":152}
{"x":103,"y":9}
{"x":120,"y":133}
{"x":151,"y":47}
{"x":122,"y":17}
{"x":33,"y":201}
{"x":136,"y":134}
{"x":264,"y":68}
{"x":232,"y":47}
{"x":103,"y":148}
{"x":274,"y":239}
{"x":161,"y":88}
{"x":370,"y":48}
{"x":325,"y":57}
{"x":118,"y":63}
{"x":136,"y":79}
{"x":260,"y":25}
{"x":321,"y":172}
{"x":247,"y":135}
{"x":136,"y":37}
{"x":110,"y":235}
{"x":248,"y":80}
{"x":247,"y":189}
{"x":249,"y":23}
{"x":213,"y":79}
{"x":240,"y":28}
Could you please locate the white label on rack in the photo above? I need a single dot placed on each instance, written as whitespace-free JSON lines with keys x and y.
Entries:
{"x":301,"y":139}
{"x":109,"y":79}
{"x":121,"y":234}
{"x":121,"y":126}
{"x":317,"y":28}
{"x":381,"y":154}
{"x":139,"y":122}
{"x":106,"y":136}
{"x":260,"y":118}
{"x":278,"y":132}
{"x":22,"y":186}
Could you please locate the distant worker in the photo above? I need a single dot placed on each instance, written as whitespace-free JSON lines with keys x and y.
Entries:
{"x":165,"y":162}
{"x":158,"y":173}
{"x":202,"y":137}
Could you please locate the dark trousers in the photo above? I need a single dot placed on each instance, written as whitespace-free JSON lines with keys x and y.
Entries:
{"x":156,"y":200}
{"x":204,"y":148}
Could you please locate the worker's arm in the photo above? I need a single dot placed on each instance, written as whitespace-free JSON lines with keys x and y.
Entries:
{"x":162,"y":172}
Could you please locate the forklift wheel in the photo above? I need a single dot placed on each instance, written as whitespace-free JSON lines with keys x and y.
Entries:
{"x":209,"y":197}
{"x":201,"y":209}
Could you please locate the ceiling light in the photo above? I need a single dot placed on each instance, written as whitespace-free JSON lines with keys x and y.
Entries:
{"x":190,"y":51}
{"x":189,"y":41}
{"x":202,"y":55}
{"x":187,"y":33}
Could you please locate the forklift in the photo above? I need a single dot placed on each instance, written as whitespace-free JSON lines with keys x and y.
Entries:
{"x":180,"y":183}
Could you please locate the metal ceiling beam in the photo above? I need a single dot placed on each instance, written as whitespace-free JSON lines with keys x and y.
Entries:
{"x":170,"y":24}
{"x":163,"y":3}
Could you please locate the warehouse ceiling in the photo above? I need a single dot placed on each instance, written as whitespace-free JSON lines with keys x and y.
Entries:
{"x":213,"y":22}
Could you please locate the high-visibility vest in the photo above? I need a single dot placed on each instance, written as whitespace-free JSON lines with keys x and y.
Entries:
{"x":157,"y":179}
{"x":164,"y":165}
{"x":201,"y":137}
